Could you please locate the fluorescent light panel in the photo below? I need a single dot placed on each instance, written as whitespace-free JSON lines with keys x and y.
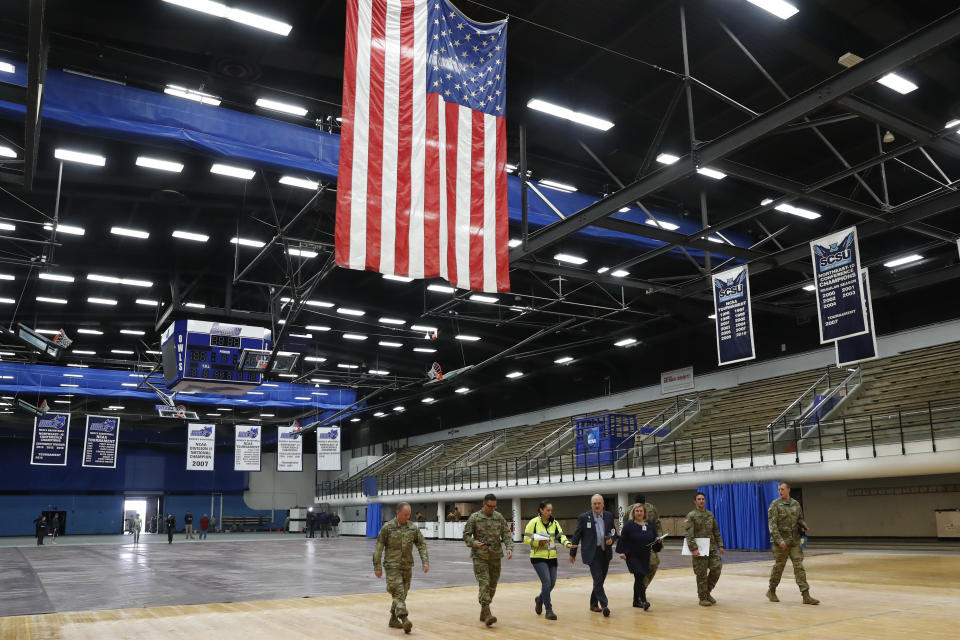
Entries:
{"x":899,"y":262}
{"x":563,"y":360}
{"x":669,"y":226}
{"x":898,"y":83}
{"x":350,"y":312}
{"x":303,"y":183}
{"x":78,"y":156}
{"x":711,"y":173}
{"x":131,"y":282}
{"x":106,"y":301}
{"x":133,"y":332}
{"x":235,"y":15}
{"x":394,"y":321}
{"x":569,"y":114}
{"x":130,"y":233}
{"x":514,"y":374}
{"x":667,"y":158}
{"x":191,"y":94}
{"x":275,"y":105}
{"x":779,"y":8}
{"x":466,"y":338}
{"x":302,"y":253}
{"x":6,"y":226}
{"x":147,"y":303}
{"x":390,"y":276}
{"x":354,"y":336}
{"x":91,"y":332}
{"x":626,"y":342}
{"x":424,"y":350}
{"x":559,"y":186}
{"x":46,"y":275}
{"x":439,"y":288}
{"x":424,"y":328}
{"x":392,"y":345}
{"x":566,"y":257}
{"x":476,"y":297}
{"x":190,"y":235}
{"x":232,"y":172}
{"x":161,"y":165}
{"x":66,"y":228}
{"x":248,"y":242}
{"x":51,"y":300}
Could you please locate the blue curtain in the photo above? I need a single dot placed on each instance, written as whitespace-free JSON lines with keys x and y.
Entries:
{"x":374,"y":519}
{"x":741,"y":512}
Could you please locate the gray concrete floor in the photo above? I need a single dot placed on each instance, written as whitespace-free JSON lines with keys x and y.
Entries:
{"x":82,"y":573}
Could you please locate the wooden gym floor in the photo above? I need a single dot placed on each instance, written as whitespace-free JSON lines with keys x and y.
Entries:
{"x":871,"y":596}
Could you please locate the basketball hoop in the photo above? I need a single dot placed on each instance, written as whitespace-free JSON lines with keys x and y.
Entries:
{"x":62,"y":339}
{"x":435,"y":372}
{"x":181,"y":411}
{"x":43,"y":407}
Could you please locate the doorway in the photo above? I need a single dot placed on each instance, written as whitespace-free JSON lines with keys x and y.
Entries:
{"x":145,"y":507}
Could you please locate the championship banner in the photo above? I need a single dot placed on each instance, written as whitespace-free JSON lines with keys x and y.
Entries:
{"x":100,"y":442}
{"x":328,"y":449}
{"x":862,"y":347}
{"x":734,"y":319}
{"x":676,"y":380}
{"x":50,"y":433}
{"x":246,"y":447}
{"x":841,"y":304}
{"x":200,"y":446}
{"x":289,"y":449}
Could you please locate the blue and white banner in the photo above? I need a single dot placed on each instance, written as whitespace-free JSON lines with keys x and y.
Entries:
{"x":862,"y":347}
{"x":734,"y":318}
{"x":100,"y":442}
{"x":246,"y":447}
{"x":289,"y":448}
{"x":50,"y":438}
{"x":328,"y":449}
{"x":841,"y":303}
{"x":200,"y":446}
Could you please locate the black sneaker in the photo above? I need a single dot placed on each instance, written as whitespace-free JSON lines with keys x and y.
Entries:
{"x":550,"y":615}
{"x":606,"y":612}
{"x":538,"y":605}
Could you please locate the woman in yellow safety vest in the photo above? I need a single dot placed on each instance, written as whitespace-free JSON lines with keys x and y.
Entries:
{"x":542,"y":534}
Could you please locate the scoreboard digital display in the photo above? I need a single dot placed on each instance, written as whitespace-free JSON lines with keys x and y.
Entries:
{"x":202,"y":356}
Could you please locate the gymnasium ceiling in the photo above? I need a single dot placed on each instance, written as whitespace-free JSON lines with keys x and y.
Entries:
{"x":619,"y":60}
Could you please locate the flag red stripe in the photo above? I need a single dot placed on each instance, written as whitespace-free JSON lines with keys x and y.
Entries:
{"x":431,"y":202}
{"x":405,"y":150}
{"x":375,"y":148}
{"x":503,"y":218}
{"x":476,"y":202}
{"x":452,"y":124}
{"x":345,"y":170}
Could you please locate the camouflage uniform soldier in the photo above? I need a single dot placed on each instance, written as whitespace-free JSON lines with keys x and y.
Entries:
{"x":653,"y":518}
{"x":397,"y":538}
{"x":484,"y":533}
{"x":785,"y":520}
{"x":701,"y":524}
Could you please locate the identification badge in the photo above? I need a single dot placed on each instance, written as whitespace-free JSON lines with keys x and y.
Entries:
{"x":644,"y":527}
{"x":588,"y":525}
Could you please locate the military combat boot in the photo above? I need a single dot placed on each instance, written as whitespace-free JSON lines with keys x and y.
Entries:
{"x":406,"y":624}
{"x":395,"y":622}
{"x":808,"y":599}
{"x":704,"y":602}
{"x":772,"y":595}
{"x":487,"y":617}
{"x":711,"y":599}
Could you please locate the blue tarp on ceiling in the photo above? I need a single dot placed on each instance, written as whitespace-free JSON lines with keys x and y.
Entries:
{"x":107,"y":109}
{"x":36,"y":382}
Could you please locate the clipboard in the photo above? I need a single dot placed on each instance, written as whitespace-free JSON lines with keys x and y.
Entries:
{"x":703,"y":546}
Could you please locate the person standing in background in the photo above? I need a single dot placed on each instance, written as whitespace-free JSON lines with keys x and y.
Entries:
{"x":136,"y":526}
{"x":701,"y":524}
{"x":335,"y":523}
{"x":204,"y":525}
{"x":323,"y":519}
{"x":188,"y":526}
{"x":55,"y":527}
{"x":596,"y":534}
{"x":171,"y":527}
{"x":487,"y":533}
{"x":213,"y":524}
{"x":40,"y":524}
{"x":311,"y":522}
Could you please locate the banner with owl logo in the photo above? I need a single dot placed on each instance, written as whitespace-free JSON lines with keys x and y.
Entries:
{"x":733,"y":317}
{"x":841,"y":303}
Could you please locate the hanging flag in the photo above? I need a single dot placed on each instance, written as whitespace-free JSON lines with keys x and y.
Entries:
{"x":100,"y":442}
{"x":328,"y":449}
{"x":862,"y":347}
{"x":289,"y":449}
{"x":733,"y":316}
{"x":51,"y":432}
{"x":246,"y":447}
{"x":201,"y":440}
{"x":422,"y":183}
{"x":841,"y":304}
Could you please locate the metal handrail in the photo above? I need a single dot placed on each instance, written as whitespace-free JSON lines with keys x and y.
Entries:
{"x":681,"y":412}
{"x":477,"y":451}
{"x":373,"y":468}
{"x":843,"y":386}
{"x":420,"y":459}
{"x":811,"y":391}
{"x":544,"y":442}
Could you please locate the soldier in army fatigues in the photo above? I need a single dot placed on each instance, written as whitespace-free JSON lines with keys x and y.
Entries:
{"x":397,"y":538}
{"x":701,"y":524}
{"x":785,"y":520}
{"x":653,"y":518}
{"x":484,"y":533}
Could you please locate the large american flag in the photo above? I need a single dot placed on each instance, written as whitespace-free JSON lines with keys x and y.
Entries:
{"x":422,"y":185}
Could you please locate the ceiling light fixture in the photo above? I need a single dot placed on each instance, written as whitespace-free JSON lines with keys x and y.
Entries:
{"x":317,"y":327}
{"x":130,"y":233}
{"x":303,"y":183}
{"x":476,"y":297}
{"x":161,"y":165}
{"x":514,"y":374}
{"x":394,"y":321}
{"x":91,"y":332}
{"x":195,"y":305}
{"x":463,"y":390}
{"x":711,"y":173}
{"x":51,"y":300}
{"x":350,"y":312}
{"x":123,"y":352}
{"x":424,"y":350}
{"x":667,"y":158}
{"x":6,"y":67}
{"x":439,"y":288}
{"x":899,"y":262}
{"x":424,"y":328}
{"x":190,"y":94}
{"x":626,"y":342}
{"x":248,"y":242}
{"x":80,"y":157}
{"x":6,"y":226}
{"x":466,"y":338}
{"x":133,"y":332}
{"x":566,"y":257}
{"x":342,"y":365}
{"x":66,"y":228}
{"x":514,"y":242}
{"x":669,"y":226}
{"x":603,"y":270}
{"x":559,"y":186}
{"x":569,"y":114}
{"x":392,"y":345}
{"x":789,"y":208}
{"x":315,"y":359}
{"x":232,"y":172}
{"x":378,"y":372}
{"x":898,"y":83}
{"x":396,"y":278}
{"x":354,"y":336}
{"x":221,"y":10}
{"x":106,"y":301}
{"x":563,"y":360}
{"x":274,"y":105}
{"x":620,"y":273}
{"x":147,"y":303}
{"x":302,"y":253}
{"x":45,"y":275}
{"x":190,"y":235}
{"x":779,"y":8}
{"x":96,"y":277}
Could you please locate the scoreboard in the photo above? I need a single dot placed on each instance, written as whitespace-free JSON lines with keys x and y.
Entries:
{"x":202,"y":356}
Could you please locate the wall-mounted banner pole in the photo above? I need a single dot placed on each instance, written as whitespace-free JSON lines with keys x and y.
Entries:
{"x":734,"y":318}
{"x":50,"y":438}
{"x":862,"y":347}
{"x":841,"y":303}
{"x":200,"y":446}
{"x":328,"y":448}
{"x":100,"y":442}
{"x":289,"y":448}
{"x":246,"y":447}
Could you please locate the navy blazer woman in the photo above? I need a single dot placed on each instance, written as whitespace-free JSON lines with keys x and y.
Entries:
{"x":635,"y":543}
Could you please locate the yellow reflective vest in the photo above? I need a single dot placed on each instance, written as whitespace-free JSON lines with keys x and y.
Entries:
{"x":553,"y":530}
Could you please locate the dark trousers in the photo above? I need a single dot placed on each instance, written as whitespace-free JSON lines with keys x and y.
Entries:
{"x":598,"y":569}
{"x":548,"y":578}
{"x":639,"y":588}
{"x":325,"y":532}
{"x":39,"y":539}
{"x":170,"y":535}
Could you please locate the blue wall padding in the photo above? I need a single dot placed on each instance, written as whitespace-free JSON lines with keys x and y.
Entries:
{"x":741,"y":512}
{"x":107,"y":109}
